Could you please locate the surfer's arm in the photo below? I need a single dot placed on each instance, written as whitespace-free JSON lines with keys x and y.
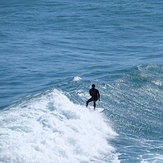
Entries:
{"x":98,"y":95}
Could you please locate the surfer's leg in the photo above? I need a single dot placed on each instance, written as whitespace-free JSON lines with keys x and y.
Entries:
{"x":90,"y":100}
{"x":87,"y":103}
{"x":94,"y":104}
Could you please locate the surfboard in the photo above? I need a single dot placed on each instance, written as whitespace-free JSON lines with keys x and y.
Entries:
{"x":99,"y":110}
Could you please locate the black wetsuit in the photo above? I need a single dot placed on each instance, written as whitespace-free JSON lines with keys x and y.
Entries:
{"x":95,"y":95}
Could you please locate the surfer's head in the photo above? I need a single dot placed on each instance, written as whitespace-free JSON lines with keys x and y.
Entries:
{"x":93,"y":85}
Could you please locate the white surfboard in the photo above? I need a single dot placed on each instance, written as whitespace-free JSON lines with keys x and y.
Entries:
{"x":99,"y":110}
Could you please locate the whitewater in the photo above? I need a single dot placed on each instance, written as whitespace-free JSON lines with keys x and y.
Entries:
{"x":50,"y":128}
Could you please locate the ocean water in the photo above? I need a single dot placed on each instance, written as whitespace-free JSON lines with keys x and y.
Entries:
{"x":51,"y":52}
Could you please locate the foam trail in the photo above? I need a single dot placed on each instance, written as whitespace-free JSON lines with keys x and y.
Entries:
{"x":51,"y":128}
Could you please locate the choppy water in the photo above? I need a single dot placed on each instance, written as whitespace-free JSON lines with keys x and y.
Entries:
{"x":50,"y":54}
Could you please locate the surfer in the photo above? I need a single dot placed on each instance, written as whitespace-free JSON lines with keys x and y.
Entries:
{"x":95,"y":95}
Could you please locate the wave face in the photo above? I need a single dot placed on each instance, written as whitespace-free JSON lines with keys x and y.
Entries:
{"x":134,"y":104}
{"x":51,"y":128}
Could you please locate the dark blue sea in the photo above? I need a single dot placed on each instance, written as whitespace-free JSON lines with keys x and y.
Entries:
{"x":52,"y":51}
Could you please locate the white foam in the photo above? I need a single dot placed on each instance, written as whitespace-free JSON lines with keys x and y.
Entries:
{"x":76,"y":78}
{"x":50,"y":129}
{"x":157,"y":82}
